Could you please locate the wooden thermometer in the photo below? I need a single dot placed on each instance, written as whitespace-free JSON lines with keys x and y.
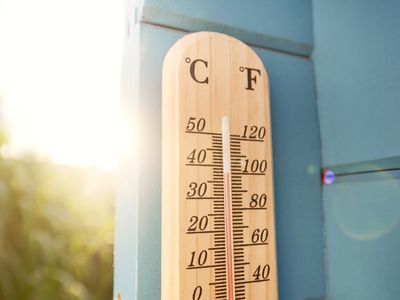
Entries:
{"x":218,"y":231}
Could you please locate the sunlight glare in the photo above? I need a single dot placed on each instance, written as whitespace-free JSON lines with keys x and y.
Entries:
{"x":60,"y":78}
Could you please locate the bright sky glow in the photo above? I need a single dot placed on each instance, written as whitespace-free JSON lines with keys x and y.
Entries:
{"x":60,"y":78}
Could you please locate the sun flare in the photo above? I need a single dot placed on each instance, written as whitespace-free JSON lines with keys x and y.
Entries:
{"x":60,"y":79}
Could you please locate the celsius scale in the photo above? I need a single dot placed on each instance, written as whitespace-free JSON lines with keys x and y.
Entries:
{"x":218,"y":230}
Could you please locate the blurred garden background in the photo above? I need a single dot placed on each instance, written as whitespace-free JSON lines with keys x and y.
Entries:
{"x":60,"y":136}
{"x":56,"y":230}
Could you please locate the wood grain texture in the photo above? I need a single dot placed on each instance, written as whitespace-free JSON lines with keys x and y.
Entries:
{"x":208,"y":76}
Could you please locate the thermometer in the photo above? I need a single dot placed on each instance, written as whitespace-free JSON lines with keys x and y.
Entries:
{"x":218,"y":229}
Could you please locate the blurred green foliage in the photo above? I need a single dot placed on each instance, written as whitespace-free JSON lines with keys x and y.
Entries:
{"x":56,"y":231}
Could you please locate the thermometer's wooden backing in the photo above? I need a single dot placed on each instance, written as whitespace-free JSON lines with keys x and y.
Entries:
{"x":208,"y":76}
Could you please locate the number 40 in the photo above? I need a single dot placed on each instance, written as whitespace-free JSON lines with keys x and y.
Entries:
{"x":262,"y":273}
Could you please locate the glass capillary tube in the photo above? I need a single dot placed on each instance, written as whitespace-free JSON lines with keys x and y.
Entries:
{"x":226,"y":157}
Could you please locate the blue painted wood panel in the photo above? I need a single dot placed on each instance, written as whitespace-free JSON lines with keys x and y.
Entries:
{"x":137,"y":271}
{"x":296,"y":153}
{"x":357,"y":65}
{"x":283,"y":25}
{"x":296,"y":171}
{"x":362,"y":237}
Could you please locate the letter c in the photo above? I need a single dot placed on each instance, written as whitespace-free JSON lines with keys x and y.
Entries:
{"x":193,"y":69}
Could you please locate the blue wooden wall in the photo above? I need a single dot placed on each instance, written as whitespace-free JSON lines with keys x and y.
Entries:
{"x":357,"y":67}
{"x":285,"y":25}
{"x":281,"y":34}
{"x":334,"y":76}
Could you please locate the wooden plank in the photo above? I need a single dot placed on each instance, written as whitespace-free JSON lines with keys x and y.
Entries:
{"x":357,"y":71}
{"x":218,"y":235}
{"x":284,"y":25}
{"x":362,"y":237}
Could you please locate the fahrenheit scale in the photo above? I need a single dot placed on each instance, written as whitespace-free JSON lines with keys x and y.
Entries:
{"x":218,"y":231}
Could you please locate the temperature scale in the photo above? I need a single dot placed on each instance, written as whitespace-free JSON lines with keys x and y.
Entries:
{"x":218,"y":231}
